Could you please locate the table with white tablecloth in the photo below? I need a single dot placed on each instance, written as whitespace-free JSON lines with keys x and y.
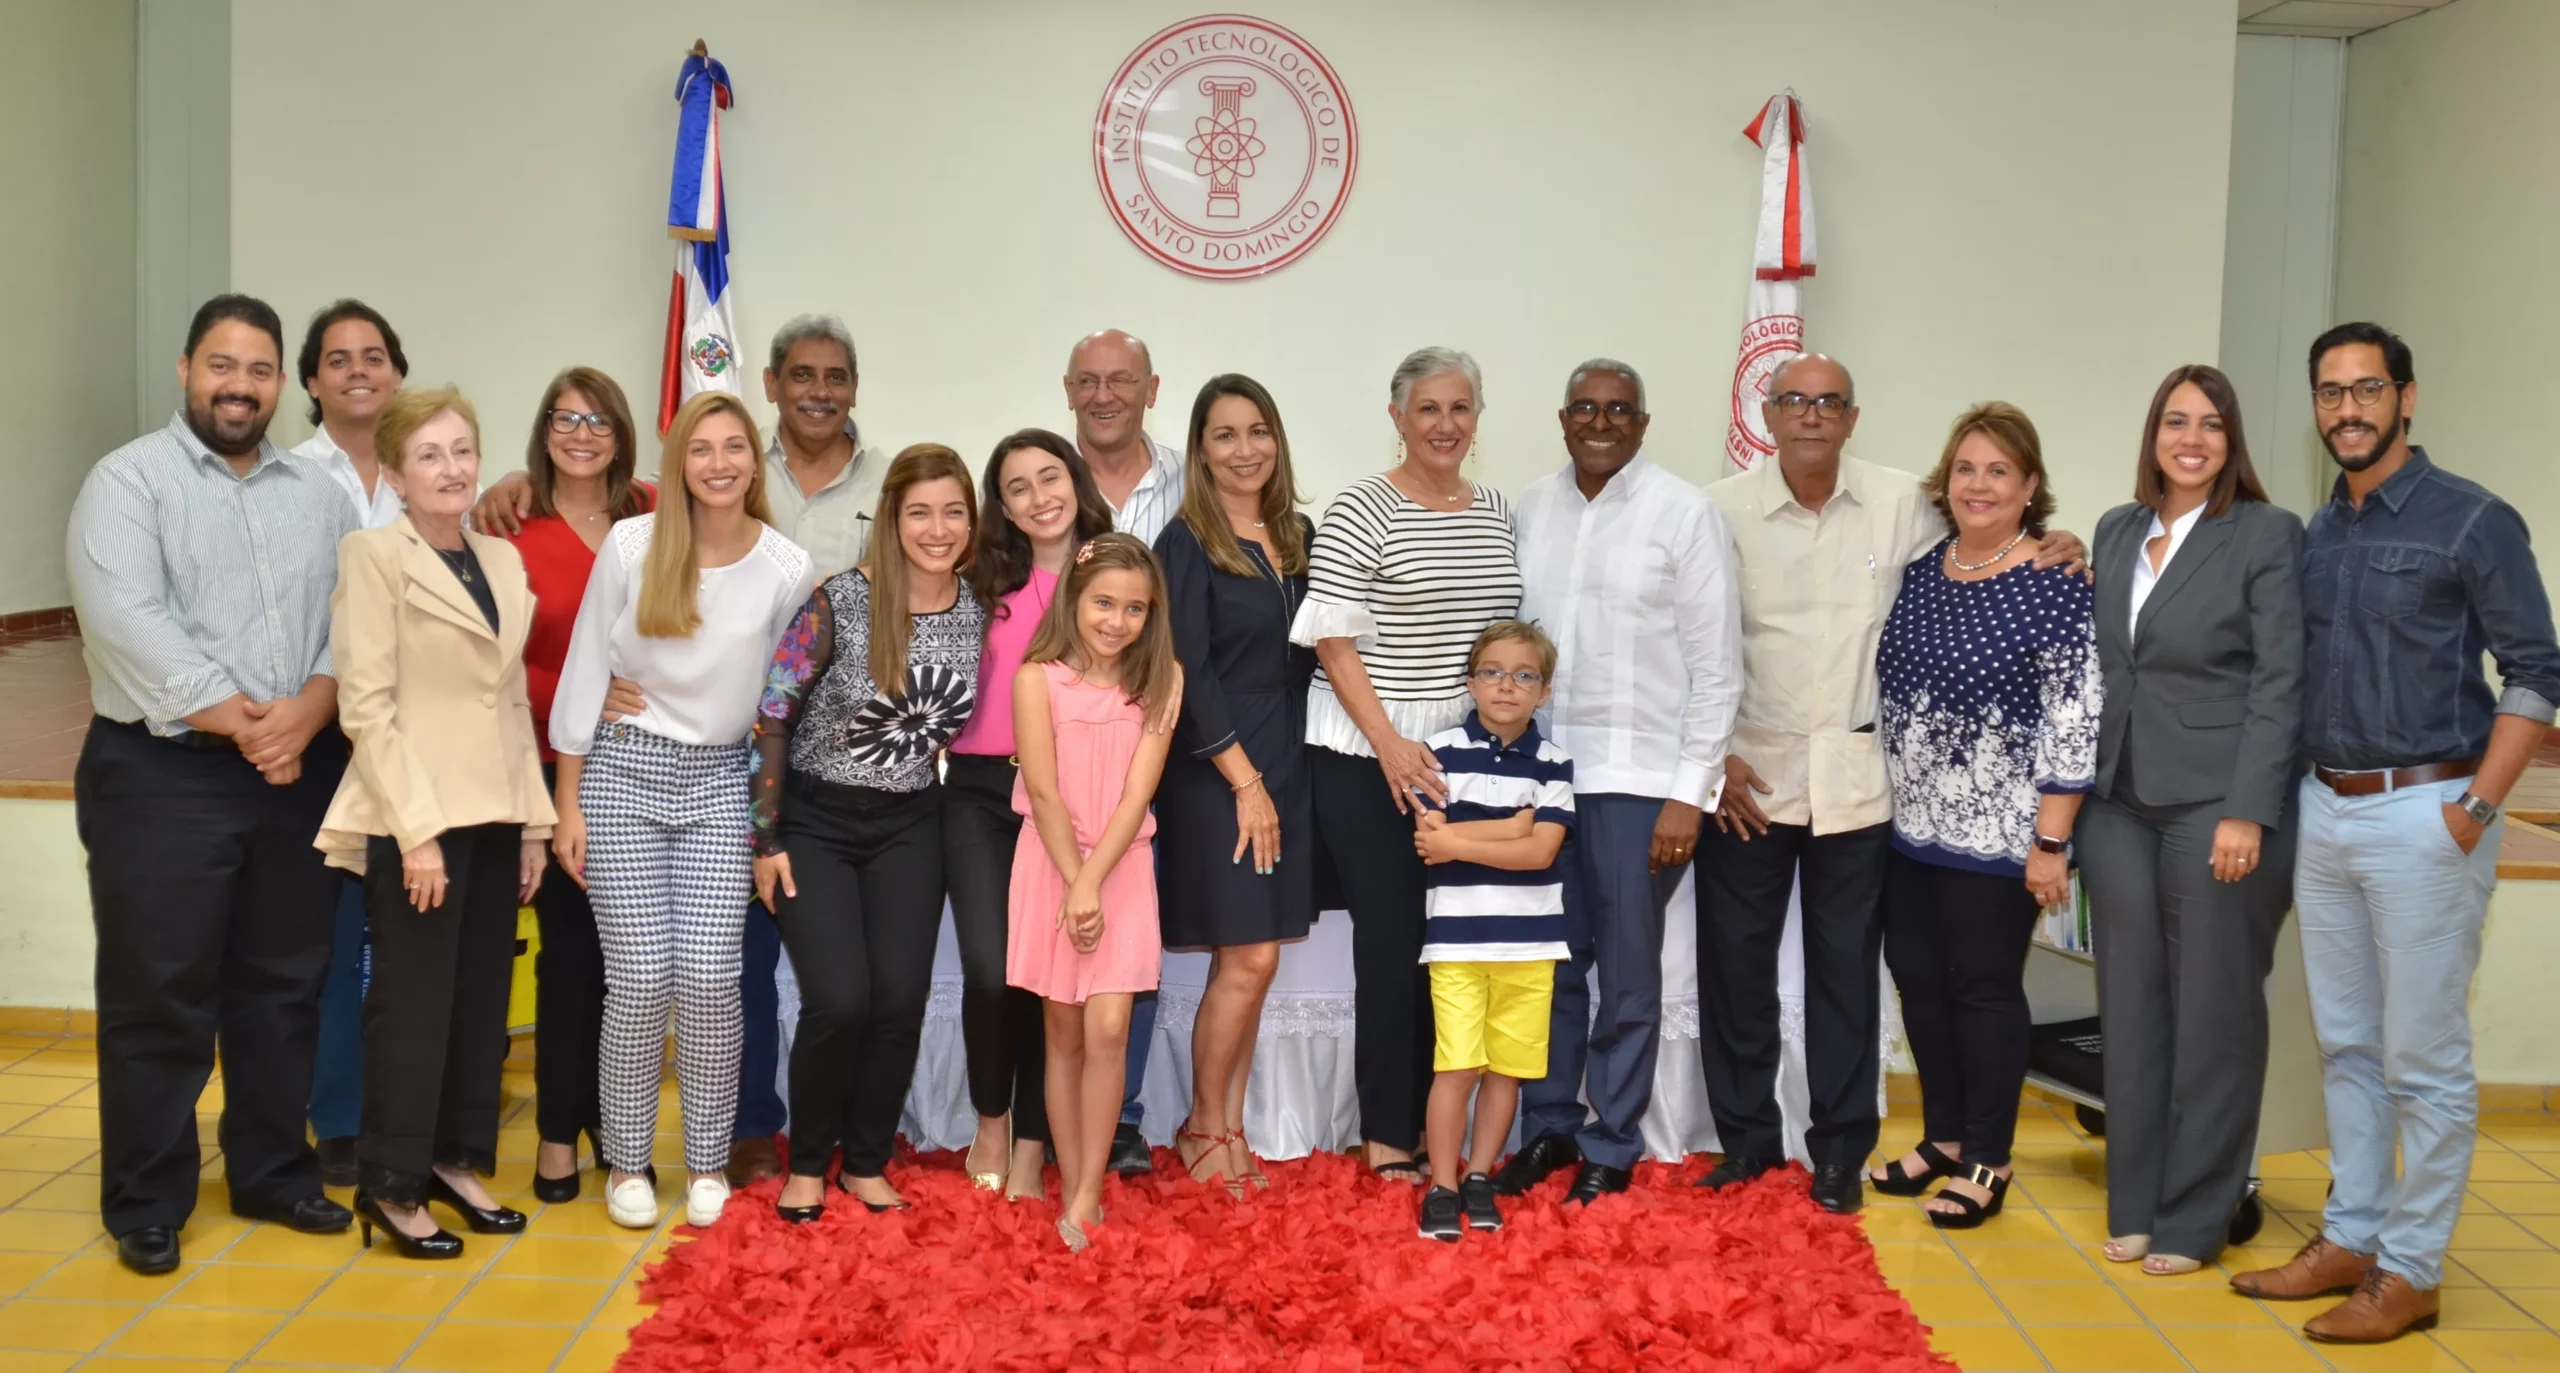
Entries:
{"x":1302,"y":1098}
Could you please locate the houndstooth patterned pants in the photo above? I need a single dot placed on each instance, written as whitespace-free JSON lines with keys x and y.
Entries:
{"x":669,"y":872}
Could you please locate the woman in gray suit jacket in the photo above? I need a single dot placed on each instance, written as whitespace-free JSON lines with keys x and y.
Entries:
{"x":2187,"y":844}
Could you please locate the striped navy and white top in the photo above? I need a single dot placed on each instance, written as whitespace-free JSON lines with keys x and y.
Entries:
{"x":1478,"y":914}
{"x":194,"y":583}
{"x":1411,"y":587}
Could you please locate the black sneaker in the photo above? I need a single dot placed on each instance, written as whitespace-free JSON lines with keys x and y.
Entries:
{"x":1440,"y":1216}
{"x":1475,"y":1195}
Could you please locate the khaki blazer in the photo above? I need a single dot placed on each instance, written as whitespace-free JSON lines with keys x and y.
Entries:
{"x":433,"y":701}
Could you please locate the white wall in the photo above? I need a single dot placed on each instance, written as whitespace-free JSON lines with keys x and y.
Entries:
{"x":66,"y":269}
{"x":1537,"y":184}
{"x":182,"y":143}
{"x":2279,"y":257}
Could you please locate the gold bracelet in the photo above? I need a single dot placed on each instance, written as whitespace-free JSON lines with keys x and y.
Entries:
{"x":1254,"y":780}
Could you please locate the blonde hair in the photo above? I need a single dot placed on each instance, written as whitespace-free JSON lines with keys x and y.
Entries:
{"x":668,"y":608}
{"x":1149,"y":673}
{"x":886,"y":565}
{"x":2012,"y":433}
{"x":408,"y":411}
{"x":1514,"y":632}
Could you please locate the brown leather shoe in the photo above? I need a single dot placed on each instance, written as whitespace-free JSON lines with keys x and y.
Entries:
{"x":2384,"y":1307}
{"x":752,"y":1161}
{"x":2319,"y":1269}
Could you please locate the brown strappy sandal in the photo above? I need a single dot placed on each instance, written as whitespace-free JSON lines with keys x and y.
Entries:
{"x":1210,"y":1144}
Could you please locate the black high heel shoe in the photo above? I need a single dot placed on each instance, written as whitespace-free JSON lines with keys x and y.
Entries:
{"x":441,"y":1245}
{"x":844,"y":1184}
{"x":495,"y":1220}
{"x":555,"y":1190}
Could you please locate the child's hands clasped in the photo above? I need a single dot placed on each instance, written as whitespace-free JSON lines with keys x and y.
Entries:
{"x":1081,"y":915}
{"x":1431,"y":836}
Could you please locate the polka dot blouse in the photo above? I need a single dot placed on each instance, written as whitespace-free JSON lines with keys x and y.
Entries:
{"x":1990,"y":699}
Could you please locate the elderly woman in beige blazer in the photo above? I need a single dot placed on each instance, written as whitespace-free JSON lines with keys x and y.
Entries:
{"x":444,"y":813}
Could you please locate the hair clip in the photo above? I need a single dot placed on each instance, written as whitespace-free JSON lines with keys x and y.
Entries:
{"x":1084,"y":551}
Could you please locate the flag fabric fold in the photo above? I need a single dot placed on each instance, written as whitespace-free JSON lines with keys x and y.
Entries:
{"x":1782,"y":255}
{"x":701,"y":350}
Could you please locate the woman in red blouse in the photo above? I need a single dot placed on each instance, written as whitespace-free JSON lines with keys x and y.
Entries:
{"x":580,"y":460}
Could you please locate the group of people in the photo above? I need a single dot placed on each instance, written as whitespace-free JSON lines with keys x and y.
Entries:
{"x":1113,"y":696}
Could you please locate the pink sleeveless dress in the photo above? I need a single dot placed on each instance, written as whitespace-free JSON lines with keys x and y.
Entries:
{"x":1097,"y":730}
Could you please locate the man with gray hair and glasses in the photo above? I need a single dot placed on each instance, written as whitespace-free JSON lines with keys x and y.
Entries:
{"x":1630,"y":570}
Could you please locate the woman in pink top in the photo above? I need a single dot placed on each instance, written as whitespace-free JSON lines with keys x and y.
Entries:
{"x":1050,"y":507}
{"x":1093,"y":713}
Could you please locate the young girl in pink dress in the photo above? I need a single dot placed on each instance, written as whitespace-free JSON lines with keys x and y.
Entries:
{"x":1093,"y":713}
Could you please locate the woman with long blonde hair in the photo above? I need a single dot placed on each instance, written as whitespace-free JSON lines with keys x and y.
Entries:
{"x":687,"y":603}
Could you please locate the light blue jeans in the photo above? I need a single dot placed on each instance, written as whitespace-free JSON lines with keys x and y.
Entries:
{"x":2390,"y":914}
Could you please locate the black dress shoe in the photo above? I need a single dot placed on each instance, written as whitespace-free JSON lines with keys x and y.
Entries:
{"x":495,"y":1220}
{"x":150,"y":1251}
{"x":1538,"y":1160}
{"x":1737,"y":1169}
{"x":1129,"y":1156}
{"x":555,"y":1190}
{"x":337,"y":1162}
{"x":1839,"y":1188}
{"x":1594,"y":1179}
{"x":443,"y":1244}
{"x":311,"y":1216}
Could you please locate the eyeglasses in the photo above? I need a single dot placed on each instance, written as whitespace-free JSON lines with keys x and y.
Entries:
{"x":1527,"y":679}
{"x":1118,"y":383}
{"x":1616,"y":409}
{"x":2330,"y":394}
{"x":1830,"y":404}
{"x":567,"y":422}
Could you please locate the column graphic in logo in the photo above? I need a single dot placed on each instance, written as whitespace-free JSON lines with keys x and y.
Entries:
{"x":1225,"y":146}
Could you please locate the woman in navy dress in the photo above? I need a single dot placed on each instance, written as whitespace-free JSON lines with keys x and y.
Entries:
{"x":1235,"y":797}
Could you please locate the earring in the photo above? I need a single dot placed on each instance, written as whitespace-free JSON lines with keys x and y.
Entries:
{"x":1472,"y":446}
{"x":1399,"y":462}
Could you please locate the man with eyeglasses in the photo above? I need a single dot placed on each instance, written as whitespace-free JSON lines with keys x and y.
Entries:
{"x":1111,"y":385}
{"x":1822,"y":539}
{"x":351,"y":365}
{"x":2410,"y":574}
{"x":1629,"y":570}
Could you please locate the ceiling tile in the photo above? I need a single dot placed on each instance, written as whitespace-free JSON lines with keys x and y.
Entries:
{"x":2346,"y":14}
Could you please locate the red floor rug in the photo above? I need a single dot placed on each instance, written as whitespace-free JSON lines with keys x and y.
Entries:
{"x":1321,"y":1274}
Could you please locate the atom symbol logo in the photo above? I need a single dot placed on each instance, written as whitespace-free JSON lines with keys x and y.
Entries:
{"x":1224,"y":146}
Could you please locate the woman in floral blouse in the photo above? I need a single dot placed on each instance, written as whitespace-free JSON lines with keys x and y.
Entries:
{"x":1989,"y":688}
{"x":875,"y":676}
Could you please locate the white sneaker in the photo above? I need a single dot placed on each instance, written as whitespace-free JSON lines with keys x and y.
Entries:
{"x":703,"y":1200}
{"x":632,"y":1203}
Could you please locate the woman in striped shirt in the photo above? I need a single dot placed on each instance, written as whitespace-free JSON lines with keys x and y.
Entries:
{"x":1408,"y":566}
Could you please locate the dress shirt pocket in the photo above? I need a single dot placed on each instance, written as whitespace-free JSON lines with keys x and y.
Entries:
{"x":2401,"y":580}
{"x":2230,"y":712}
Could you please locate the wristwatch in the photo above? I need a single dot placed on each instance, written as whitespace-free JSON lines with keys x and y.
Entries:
{"x":2046,"y":843}
{"x":2481,"y":812}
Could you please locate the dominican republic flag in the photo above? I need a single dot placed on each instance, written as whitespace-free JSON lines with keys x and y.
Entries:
{"x":702,"y":334}
{"x":1781,"y":256}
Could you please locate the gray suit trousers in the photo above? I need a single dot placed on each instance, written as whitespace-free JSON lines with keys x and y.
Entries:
{"x":2182,"y":968}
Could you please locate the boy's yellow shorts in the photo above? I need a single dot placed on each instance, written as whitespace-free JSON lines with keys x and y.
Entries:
{"x":1492,"y":1015}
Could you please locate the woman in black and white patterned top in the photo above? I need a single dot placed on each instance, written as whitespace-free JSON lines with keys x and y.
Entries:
{"x":1408,"y":567}
{"x":848,"y":834}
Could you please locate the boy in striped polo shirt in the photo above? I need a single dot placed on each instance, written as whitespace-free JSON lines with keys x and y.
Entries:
{"x":1495,"y":922}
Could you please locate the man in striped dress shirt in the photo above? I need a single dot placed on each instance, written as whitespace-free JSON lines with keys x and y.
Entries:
{"x":202,"y":559}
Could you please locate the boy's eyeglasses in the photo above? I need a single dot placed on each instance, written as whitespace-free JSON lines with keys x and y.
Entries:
{"x":1528,"y":679}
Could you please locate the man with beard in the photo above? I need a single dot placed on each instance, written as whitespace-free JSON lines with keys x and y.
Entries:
{"x":2409,"y":575}
{"x":202,"y":559}
{"x":1111,"y":385}
{"x":351,"y":366}
{"x":1630,"y":570}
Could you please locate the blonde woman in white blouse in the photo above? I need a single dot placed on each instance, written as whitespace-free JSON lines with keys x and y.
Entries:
{"x":1408,"y":566}
{"x":687,"y":603}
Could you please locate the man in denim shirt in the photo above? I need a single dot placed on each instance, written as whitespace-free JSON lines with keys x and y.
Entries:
{"x":2409,"y":575}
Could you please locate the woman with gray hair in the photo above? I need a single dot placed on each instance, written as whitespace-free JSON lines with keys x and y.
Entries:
{"x":1408,"y":566}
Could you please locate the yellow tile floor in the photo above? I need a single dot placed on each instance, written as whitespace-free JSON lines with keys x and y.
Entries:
{"x":2027,"y":1291}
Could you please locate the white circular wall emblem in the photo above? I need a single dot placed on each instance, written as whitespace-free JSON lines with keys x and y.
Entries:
{"x":1225,"y":146}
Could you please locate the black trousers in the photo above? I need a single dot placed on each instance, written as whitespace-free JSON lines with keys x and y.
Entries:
{"x":435,"y":1018}
{"x":213,"y":915}
{"x":568,"y":1015}
{"x":2182,"y":970}
{"x":1742,"y":920}
{"x":861,"y":934}
{"x":999,"y":1024}
{"x":1957,"y":943}
{"x":1382,"y":883}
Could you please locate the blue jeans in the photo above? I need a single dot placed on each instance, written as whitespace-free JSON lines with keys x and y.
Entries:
{"x":337,"y":1068}
{"x":2391,"y":911}
{"x":760,"y":1110}
{"x":1142,"y":1038}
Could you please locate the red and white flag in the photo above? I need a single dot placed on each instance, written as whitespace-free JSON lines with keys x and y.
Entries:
{"x":1782,"y":254}
{"x":702,"y":333}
